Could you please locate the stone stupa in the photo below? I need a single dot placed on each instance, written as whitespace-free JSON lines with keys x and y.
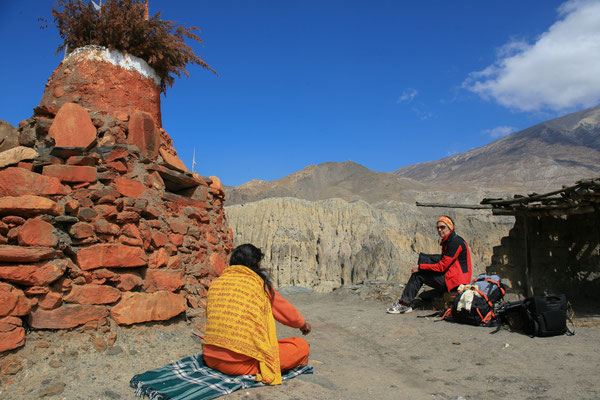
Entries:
{"x":101,"y":224}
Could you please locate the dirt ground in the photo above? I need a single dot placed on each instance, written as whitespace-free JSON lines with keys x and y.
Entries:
{"x":358,"y":352}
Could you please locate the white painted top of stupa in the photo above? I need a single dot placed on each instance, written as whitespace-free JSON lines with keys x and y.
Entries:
{"x":115,"y":57}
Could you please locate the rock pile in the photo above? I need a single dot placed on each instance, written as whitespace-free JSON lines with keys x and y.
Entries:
{"x":99,"y":219}
{"x":90,"y":234}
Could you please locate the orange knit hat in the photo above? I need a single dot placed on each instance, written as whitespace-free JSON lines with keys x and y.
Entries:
{"x":446,"y":221}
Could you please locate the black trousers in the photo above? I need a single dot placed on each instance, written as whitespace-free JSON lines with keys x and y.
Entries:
{"x":436,"y":280}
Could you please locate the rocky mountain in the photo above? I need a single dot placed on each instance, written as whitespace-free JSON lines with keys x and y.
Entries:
{"x":542,"y":158}
{"x":345,"y":180}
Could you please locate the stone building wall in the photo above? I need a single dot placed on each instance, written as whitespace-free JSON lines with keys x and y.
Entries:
{"x":563,"y":255}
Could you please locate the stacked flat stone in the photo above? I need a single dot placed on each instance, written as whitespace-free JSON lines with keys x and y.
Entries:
{"x":88,"y":235}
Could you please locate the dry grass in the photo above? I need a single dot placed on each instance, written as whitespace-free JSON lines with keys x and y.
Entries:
{"x":121,"y":25}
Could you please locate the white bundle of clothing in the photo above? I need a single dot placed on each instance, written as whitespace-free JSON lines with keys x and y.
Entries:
{"x":467,"y":293}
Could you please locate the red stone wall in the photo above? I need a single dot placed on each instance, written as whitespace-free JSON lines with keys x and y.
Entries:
{"x":86,"y":236}
{"x":93,"y":230}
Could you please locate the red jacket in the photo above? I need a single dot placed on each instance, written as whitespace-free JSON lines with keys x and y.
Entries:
{"x":455,"y":262}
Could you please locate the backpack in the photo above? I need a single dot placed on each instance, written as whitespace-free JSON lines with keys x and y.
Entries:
{"x":545,"y":315}
{"x":510,"y":313}
{"x":537,"y":316}
{"x":475,"y":304}
{"x":492,"y":286}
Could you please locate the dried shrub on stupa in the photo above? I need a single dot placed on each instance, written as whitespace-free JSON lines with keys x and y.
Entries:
{"x":124,"y":25}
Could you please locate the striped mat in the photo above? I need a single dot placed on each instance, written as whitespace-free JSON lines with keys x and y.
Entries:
{"x":190,"y":379}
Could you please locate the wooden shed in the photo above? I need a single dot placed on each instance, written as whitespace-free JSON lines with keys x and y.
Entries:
{"x":554,"y":245}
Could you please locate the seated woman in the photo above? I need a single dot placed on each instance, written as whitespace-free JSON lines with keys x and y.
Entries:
{"x":241,"y":309}
{"x":446,"y":273}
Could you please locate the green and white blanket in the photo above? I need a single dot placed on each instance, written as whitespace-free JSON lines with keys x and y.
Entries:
{"x":190,"y":379}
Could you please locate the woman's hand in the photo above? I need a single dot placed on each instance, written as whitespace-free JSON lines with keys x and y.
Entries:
{"x":414,"y":269}
{"x":305,"y":329}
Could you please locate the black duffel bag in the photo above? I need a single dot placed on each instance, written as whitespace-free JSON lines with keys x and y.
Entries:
{"x":545,"y":315}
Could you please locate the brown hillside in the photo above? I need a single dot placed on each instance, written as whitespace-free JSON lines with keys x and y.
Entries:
{"x":542,"y":157}
{"x":346,"y":180}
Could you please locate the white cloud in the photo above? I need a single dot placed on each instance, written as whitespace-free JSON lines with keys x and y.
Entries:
{"x":498,"y":131}
{"x":561,"y":70}
{"x":512,"y":48}
{"x":417,"y":107}
{"x":407,"y":95}
{"x":421,"y":112}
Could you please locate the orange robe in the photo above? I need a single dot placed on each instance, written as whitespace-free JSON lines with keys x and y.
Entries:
{"x":293,"y":351}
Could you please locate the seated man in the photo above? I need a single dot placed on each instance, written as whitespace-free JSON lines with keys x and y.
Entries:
{"x":452,"y":270}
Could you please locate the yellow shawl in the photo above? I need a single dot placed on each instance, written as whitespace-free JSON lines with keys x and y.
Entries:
{"x":239,"y":318}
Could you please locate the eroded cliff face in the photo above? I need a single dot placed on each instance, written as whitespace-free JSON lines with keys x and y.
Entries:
{"x":325,"y":244}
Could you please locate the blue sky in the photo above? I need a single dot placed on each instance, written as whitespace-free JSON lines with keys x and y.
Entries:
{"x":383,"y":83}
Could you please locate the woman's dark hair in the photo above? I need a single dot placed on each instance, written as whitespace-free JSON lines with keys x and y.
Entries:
{"x":250,"y":256}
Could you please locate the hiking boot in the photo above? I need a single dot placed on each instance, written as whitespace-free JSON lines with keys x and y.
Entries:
{"x":398,"y":308}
